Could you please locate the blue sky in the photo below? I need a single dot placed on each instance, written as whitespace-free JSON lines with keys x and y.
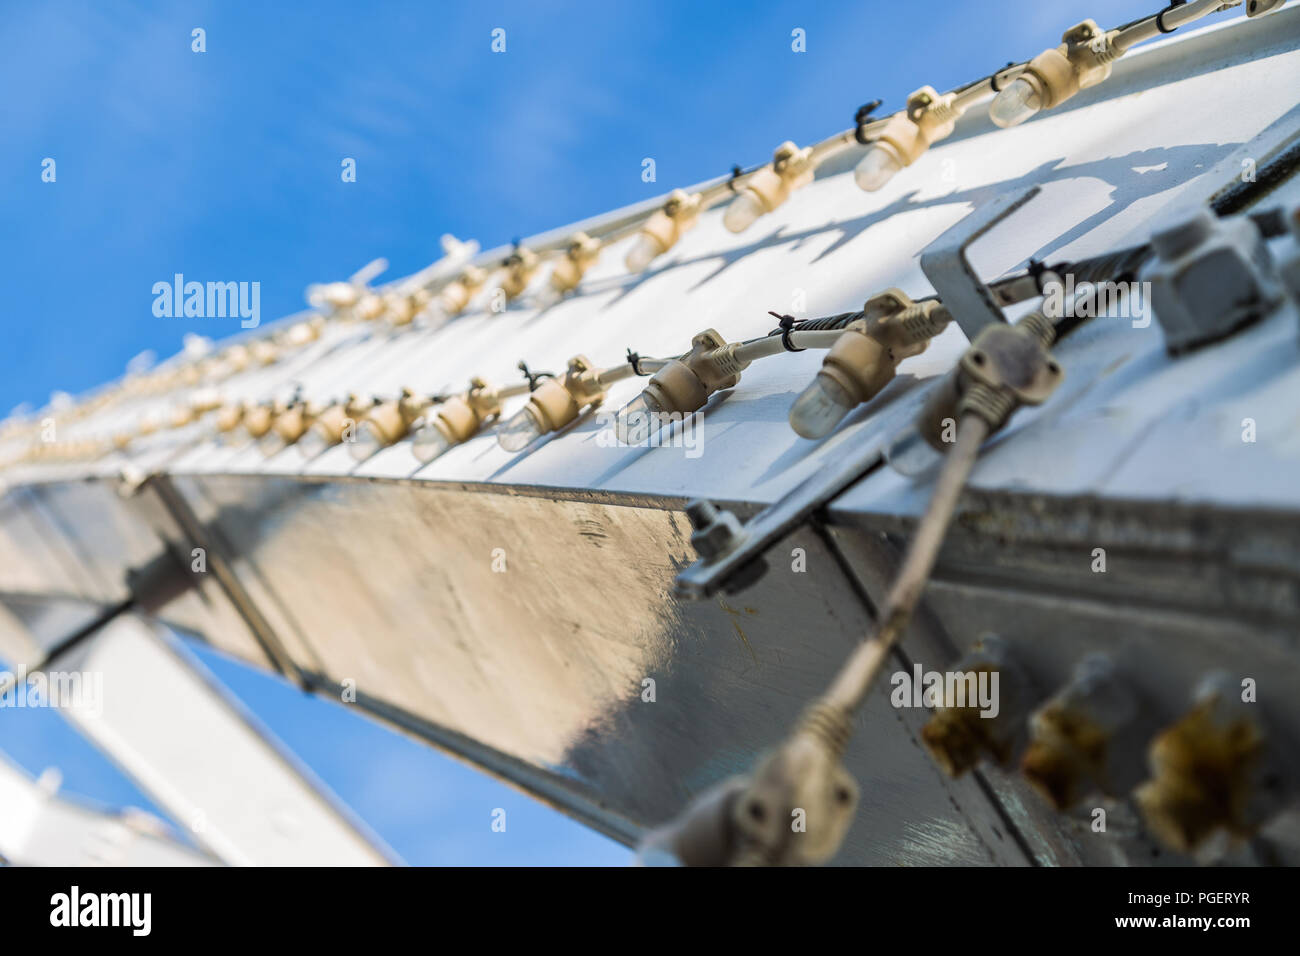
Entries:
{"x":225,"y":166}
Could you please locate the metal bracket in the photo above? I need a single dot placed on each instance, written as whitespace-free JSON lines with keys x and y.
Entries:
{"x":737,"y":567}
{"x":971,"y":302}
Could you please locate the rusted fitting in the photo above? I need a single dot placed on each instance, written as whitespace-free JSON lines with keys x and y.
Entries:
{"x":1082,"y":739}
{"x":986,"y":698}
{"x":1218,"y":769}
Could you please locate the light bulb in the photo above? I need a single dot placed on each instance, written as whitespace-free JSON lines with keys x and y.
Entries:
{"x":1015,"y":104}
{"x":878,"y":167}
{"x":910,"y":454}
{"x":643,"y":252}
{"x":638,"y":419}
{"x":367,"y":441}
{"x":429,"y":443}
{"x":314,"y":442}
{"x":519,"y":431}
{"x":742,"y":212}
{"x":820,"y":408}
{"x":270,"y":443}
{"x":550,"y":295}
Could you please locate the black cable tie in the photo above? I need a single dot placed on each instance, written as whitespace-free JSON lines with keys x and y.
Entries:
{"x":634,"y":360}
{"x":1160,"y":17}
{"x":993,"y":80}
{"x":787,"y":326}
{"x":1035,"y":268}
{"x":860,"y":120}
{"x":736,"y":173}
{"x":532,"y":377}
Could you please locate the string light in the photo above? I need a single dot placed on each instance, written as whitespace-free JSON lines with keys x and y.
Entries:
{"x":1085,"y":55}
{"x":342,"y":297}
{"x":791,"y":168}
{"x":456,"y":295}
{"x":331,"y":426}
{"x":865,"y":359}
{"x":289,"y":426}
{"x":387,"y":423}
{"x":229,"y":417}
{"x":460,"y":418}
{"x":256,"y":420}
{"x":401,"y":308}
{"x":263,"y":352}
{"x":370,"y":307}
{"x":520,"y":267}
{"x":684,"y":385}
{"x":663,"y":229}
{"x":1082,"y":60}
{"x":929,"y":117}
{"x":580,"y":255}
{"x":302,"y":333}
{"x":558,"y":401}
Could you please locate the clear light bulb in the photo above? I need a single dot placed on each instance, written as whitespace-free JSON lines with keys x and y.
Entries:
{"x":314,"y":442}
{"x":1015,"y":104}
{"x":911,"y":455}
{"x":550,"y":295}
{"x":820,"y":408}
{"x":742,"y":212}
{"x":519,"y":431}
{"x":643,"y":252}
{"x":877,"y":167}
{"x":637,"y":420}
{"x":270,"y":443}
{"x":435,"y":316}
{"x":429,"y":443}
{"x":368,"y":440}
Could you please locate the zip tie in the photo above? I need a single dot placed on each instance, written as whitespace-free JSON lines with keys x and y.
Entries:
{"x":634,"y":360}
{"x":532,"y":377}
{"x":1036,"y":268}
{"x":993,"y":80}
{"x":860,"y":119}
{"x":787,"y":325}
{"x":736,"y":173}
{"x":1160,"y":22}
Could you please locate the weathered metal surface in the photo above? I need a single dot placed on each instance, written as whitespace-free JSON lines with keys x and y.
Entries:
{"x":535,"y":663}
